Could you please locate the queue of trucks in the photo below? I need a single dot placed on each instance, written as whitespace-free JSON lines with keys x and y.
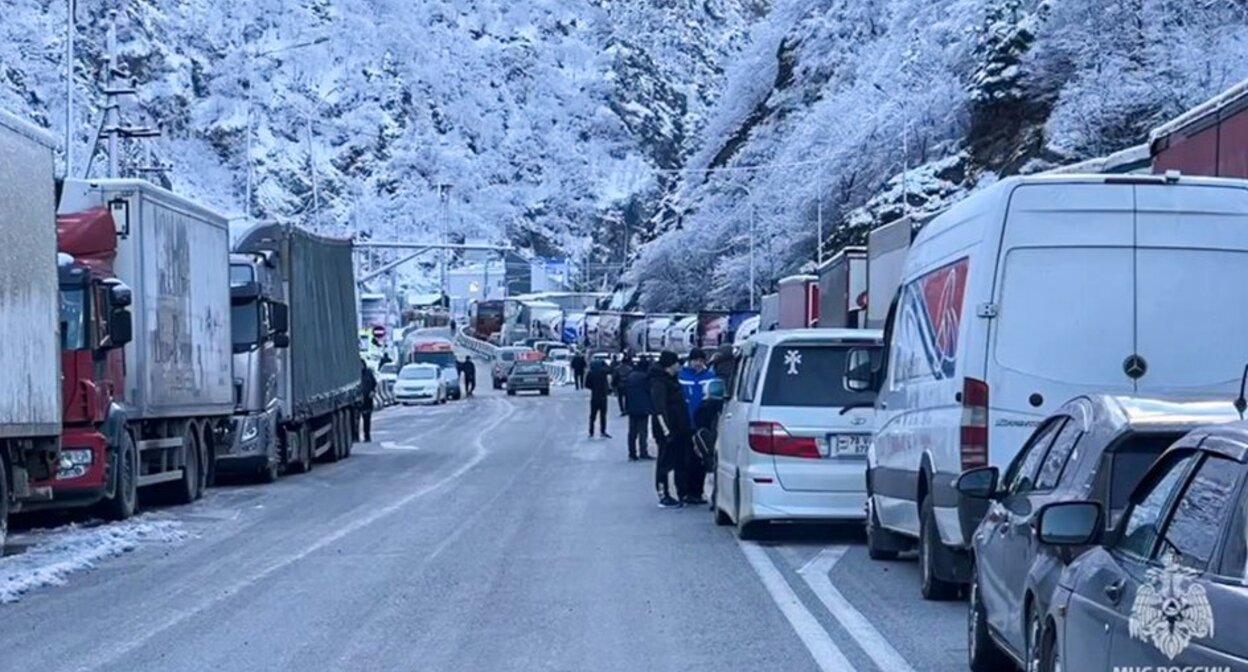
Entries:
{"x":140,"y":354}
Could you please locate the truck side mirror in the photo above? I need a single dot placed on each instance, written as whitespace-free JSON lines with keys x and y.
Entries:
{"x":281,"y":340}
{"x":120,"y":328}
{"x":279,"y":317}
{"x":119,"y":295}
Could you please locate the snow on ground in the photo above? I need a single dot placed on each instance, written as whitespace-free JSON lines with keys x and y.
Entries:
{"x":60,"y":552}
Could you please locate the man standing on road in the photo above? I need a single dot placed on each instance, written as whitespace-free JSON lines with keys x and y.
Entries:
{"x":469,"y":370}
{"x":637,"y":389}
{"x":694,"y":379}
{"x":368,"y":387}
{"x":671,"y":428}
{"x":578,"y":369}
{"x":620,"y":378}
{"x":599,"y":383}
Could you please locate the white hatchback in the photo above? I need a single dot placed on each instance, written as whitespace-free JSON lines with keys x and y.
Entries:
{"x":794,"y":436}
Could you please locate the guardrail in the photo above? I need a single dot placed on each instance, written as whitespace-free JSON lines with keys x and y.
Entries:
{"x":560,"y":373}
{"x":475,"y":345}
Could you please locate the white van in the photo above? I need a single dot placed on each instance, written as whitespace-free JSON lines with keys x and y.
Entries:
{"x":1031,"y":292}
{"x":793,"y":438}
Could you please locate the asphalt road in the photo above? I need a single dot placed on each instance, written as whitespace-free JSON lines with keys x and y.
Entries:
{"x":484,"y":535}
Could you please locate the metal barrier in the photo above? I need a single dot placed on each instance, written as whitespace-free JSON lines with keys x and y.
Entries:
{"x":560,"y":373}
{"x":475,"y":345}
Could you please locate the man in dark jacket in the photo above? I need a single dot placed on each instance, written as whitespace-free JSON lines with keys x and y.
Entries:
{"x":671,"y":426}
{"x":637,"y":390}
{"x":368,"y":387}
{"x":469,"y":369}
{"x":694,"y":379}
{"x":599,"y":383}
{"x":578,"y":369}
{"x":620,"y":378}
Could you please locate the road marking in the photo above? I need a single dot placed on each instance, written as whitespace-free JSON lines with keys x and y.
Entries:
{"x":394,"y":445}
{"x":815,"y":573}
{"x":104,"y":656}
{"x":820,"y":645}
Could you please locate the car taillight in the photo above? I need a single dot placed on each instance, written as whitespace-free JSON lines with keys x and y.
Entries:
{"x":771,"y":438}
{"x":974,"y":447}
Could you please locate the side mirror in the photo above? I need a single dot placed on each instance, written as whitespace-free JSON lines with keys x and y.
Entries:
{"x":281,"y":340}
{"x":119,"y":294}
{"x":860,"y":371}
{"x":1069,"y":523}
{"x":279,"y":317}
{"x":120,"y":328}
{"x":979,"y":483}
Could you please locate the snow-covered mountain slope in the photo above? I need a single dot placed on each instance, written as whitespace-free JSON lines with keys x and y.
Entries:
{"x":545,"y":117}
{"x":833,"y":99}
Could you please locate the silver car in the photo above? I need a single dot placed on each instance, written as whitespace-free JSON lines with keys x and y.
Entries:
{"x":420,"y":384}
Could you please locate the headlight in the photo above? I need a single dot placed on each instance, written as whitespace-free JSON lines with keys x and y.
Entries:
{"x":251,"y":428}
{"x":77,"y":456}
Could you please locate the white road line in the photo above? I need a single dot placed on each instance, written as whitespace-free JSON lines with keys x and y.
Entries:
{"x":825,"y":652}
{"x":108,"y":654}
{"x":394,"y":445}
{"x":815,"y":573}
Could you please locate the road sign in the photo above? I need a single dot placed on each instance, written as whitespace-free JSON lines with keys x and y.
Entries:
{"x":379,"y":332}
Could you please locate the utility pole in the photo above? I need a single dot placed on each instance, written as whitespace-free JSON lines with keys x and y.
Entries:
{"x":316,"y":194}
{"x":444,"y":193}
{"x":819,"y":213}
{"x":112,"y":118}
{"x":70,"y":29}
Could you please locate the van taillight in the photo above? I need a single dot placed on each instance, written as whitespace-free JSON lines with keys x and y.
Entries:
{"x":974,"y":423}
{"x":771,"y":438}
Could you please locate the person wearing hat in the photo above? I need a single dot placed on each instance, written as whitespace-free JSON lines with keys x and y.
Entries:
{"x":671,"y":427}
{"x":694,"y":378}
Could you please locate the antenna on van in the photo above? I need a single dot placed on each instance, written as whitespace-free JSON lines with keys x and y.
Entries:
{"x":1241,"y":403}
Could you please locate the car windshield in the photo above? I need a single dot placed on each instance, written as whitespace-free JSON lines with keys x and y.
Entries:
{"x":418,"y":373}
{"x":811,"y":375}
{"x":73,"y":319}
{"x":388,"y":368}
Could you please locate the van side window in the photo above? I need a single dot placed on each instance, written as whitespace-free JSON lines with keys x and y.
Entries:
{"x":752,"y":374}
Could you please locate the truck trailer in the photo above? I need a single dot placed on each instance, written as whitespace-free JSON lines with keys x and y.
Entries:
{"x":843,"y":289}
{"x":799,"y":302}
{"x":1209,"y":139}
{"x":30,"y":409}
{"x":296,"y":361}
{"x":176,"y":399}
{"x":886,"y":253}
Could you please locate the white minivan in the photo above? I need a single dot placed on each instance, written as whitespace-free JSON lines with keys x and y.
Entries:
{"x":793,"y":438}
{"x":1026,"y":294}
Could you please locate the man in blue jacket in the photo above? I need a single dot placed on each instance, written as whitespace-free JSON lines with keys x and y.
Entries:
{"x":694,"y":378}
{"x":637,"y":404}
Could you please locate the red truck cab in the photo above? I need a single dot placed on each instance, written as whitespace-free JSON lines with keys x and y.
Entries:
{"x":95,"y":325}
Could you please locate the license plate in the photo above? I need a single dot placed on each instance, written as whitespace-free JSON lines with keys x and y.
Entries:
{"x":849,"y":445}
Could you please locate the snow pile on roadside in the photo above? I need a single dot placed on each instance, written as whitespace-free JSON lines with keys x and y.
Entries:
{"x":64,"y":550}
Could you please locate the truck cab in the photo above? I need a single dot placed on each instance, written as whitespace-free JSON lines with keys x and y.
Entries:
{"x":258,"y":324}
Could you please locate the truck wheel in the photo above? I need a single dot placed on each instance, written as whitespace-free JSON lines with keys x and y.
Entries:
{"x":125,"y":499}
{"x":933,"y":557}
{"x":352,"y":423}
{"x":4,"y":503}
{"x":268,"y":473}
{"x":186,"y":490}
{"x":335,"y":435}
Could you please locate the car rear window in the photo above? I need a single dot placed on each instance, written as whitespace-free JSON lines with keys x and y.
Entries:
{"x":812,"y":375}
{"x":527,"y":367}
{"x":507,"y":355}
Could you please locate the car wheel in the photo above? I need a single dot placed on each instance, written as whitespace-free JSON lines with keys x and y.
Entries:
{"x":875,"y":536}
{"x":125,"y":499}
{"x":511,"y":393}
{"x":931,"y":552}
{"x":982,"y":653}
{"x":546,"y":392}
{"x":1035,"y":638}
{"x":1050,"y":654}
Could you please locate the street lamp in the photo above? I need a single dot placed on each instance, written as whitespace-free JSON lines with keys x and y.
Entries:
{"x":905,"y":153}
{"x":251,"y":56}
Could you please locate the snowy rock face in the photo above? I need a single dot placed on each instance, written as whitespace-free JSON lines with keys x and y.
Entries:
{"x":849,"y":107}
{"x":545,"y":117}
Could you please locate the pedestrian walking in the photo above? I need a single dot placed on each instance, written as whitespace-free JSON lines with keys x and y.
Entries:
{"x":671,"y":427}
{"x":368,"y":387}
{"x":599,"y":383}
{"x":469,"y":370}
{"x":694,"y":378}
{"x":620,"y":379}
{"x":578,"y":369}
{"x":637,"y":389}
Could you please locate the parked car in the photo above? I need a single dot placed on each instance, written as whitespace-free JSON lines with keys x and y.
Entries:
{"x":559,"y":355}
{"x":441,"y":353}
{"x":545,"y":347}
{"x":528,"y":376}
{"x":1092,"y":448}
{"x":1165,"y":588}
{"x":420,"y":384}
{"x":794,"y":436}
{"x":1028,"y":293}
{"x":503,"y":360}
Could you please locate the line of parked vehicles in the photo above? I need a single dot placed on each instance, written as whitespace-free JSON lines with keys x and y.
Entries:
{"x":1051,"y":417}
{"x":142,"y":350}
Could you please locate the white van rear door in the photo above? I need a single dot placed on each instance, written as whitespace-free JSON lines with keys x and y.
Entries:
{"x":1191,"y":279}
{"x":1064,"y":297}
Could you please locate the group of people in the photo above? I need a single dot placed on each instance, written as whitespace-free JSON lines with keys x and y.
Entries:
{"x":679,"y":405}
